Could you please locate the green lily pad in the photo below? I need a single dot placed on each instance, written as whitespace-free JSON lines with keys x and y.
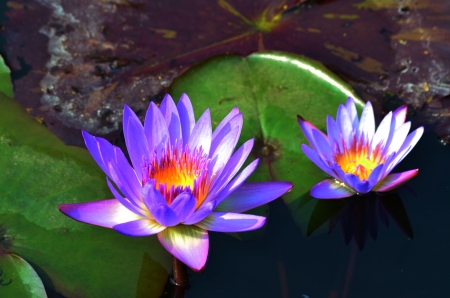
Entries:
{"x":6,"y":85}
{"x":271,"y":89}
{"x":18,"y":279}
{"x":39,"y":172}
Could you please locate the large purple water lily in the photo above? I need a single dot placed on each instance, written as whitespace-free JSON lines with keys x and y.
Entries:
{"x":183,"y":182}
{"x":358,"y":158}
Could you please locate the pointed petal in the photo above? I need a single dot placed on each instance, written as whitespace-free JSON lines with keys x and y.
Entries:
{"x":155,"y":127}
{"x":202,"y":212}
{"x":124,"y":201}
{"x":330,"y":189}
{"x":164,"y":215}
{"x":170,"y":113}
{"x":139,"y":228}
{"x":223,"y":151}
{"x":106,"y":213}
{"x":152,"y":197}
{"x":367,"y":123}
{"x":94,"y":149}
{"x":236,"y":182}
{"x":410,"y":141}
{"x":235,"y":124}
{"x":399,"y":116}
{"x":323,"y":148}
{"x":201,"y":133}
{"x":183,"y":205}
{"x":137,"y":145}
{"x":376,"y":175}
{"x":382,"y":134}
{"x":253,"y":194}
{"x":353,"y":114}
{"x":308,"y":129}
{"x":345,"y":124}
{"x":189,"y":244}
{"x":225,"y":123}
{"x":334,"y":135}
{"x":231,"y":168}
{"x":187,"y":120}
{"x":398,"y":138}
{"x":314,"y":157}
{"x":395,"y":180}
{"x":231,"y":222}
{"x":359,"y":186}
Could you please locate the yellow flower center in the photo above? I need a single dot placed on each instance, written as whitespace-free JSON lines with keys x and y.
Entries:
{"x":359,"y":161}
{"x":180,"y":170}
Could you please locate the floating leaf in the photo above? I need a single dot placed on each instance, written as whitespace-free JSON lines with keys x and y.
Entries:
{"x":270,"y":89}
{"x":18,"y":279}
{"x":5,"y":79}
{"x":38,"y":173}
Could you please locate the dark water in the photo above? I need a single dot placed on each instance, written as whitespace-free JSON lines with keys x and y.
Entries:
{"x":286,"y":264}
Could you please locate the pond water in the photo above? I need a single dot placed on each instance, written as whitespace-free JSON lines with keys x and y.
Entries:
{"x":284,"y":263}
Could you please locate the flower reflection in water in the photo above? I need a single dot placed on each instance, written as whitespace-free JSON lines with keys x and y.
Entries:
{"x":359,"y":216}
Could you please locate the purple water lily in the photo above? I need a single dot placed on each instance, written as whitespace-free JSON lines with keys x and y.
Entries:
{"x":357,"y":158}
{"x":183,"y":182}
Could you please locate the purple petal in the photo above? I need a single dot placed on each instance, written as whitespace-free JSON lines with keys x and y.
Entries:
{"x":232,"y":167}
{"x":231,"y":222}
{"x":382,"y":134}
{"x":94,"y":148}
{"x":399,"y":116}
{"x":155,"y":127}
{"x":314,"y":157}
{"x":137,"y":145}
{"x":252,"y":195}
{"x":330,"y":189}
{"x":164,"y":215}
{"x":125,"y":178}
{"x":358,"y":185}
{"x":236,"y":182}
{"x":322,"y":146}
{"x":201,"y":133}
{"x":202,"y":212}
{"x":169,"y":111}
{"x":183,"y":206}
{"x":398,"y":138}
{"x":187,"y":119}
{"x":223,"y":151}
{"x":235,"y":124}
{"x":366,"y":127}
{"x":410,"y":141}
{"x":189,"y":244}
{"x":225,"y":123}
{"x":395,"y":180}
{"x":139,"y":228}
{"x":352,"y":113}
{"x":106,"y":213}
{"x":152,"y":197}
{"x":125,"y":202}
{"x":345,"y":124}
{"x":334,"y":135}
{"x":308,"y":129}
{"x":376,"y":175}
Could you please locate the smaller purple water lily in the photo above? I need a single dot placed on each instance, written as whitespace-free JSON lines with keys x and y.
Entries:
{"x":184,"y":181}
{"x":358,"y":158}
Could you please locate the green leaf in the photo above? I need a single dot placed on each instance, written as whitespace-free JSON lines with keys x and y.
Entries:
{"x":271,"y":89}
{"x":18,"y":279}
{"x":39,"y":173}
{"x":6,"y":85}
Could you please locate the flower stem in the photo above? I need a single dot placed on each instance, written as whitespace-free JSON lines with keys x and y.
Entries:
{"x":180,"y":277}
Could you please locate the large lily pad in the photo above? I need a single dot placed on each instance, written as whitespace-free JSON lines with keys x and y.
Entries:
{"x":38,"y":173}
{"x":18,"y":279}
{"x":271,"y":89}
